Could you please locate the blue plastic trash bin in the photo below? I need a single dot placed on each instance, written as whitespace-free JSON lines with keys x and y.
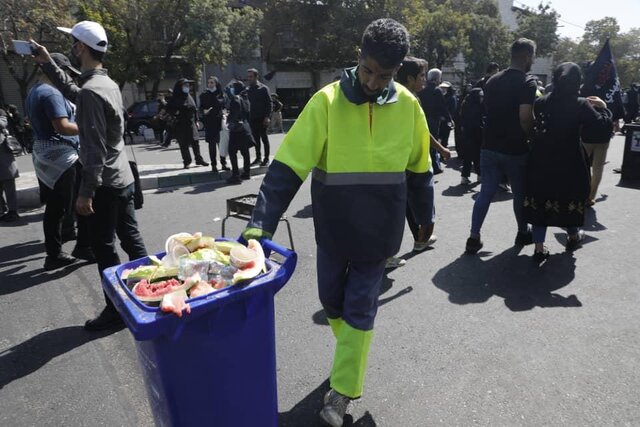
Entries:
{"x":217,"y":365}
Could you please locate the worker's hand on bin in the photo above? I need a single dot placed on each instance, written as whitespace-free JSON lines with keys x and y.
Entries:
{"x":256,"y":233}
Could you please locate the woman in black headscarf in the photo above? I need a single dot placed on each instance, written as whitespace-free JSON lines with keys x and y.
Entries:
{"x":240,"y":136}
{"x":558,"y":174}
{"x":183,"y":107}
{"x":472,"y":114}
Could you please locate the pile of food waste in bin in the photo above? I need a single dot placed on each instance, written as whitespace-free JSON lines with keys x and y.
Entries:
{"x":194,"y":265}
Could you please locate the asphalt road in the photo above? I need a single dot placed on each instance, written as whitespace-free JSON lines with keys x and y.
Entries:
{"x":488,"y":340}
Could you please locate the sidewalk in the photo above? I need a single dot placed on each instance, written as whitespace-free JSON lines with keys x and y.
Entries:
{"x":159,"y":167}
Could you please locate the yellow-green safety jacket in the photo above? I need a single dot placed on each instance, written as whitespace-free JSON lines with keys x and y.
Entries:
{"x":369,"y":159}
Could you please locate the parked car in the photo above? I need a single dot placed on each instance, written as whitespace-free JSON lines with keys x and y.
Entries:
{"x":140,"y":116}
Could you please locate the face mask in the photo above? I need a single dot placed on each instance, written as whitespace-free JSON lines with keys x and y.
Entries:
{"x":232,"y":91}
{"x":214,"y":90}
{"x":185,"y":89}
{"x":73,"y":59}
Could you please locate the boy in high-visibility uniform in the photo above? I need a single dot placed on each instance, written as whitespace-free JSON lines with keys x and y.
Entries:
{"x":367,"y":141}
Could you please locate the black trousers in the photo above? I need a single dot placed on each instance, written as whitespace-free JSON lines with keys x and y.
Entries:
{"x":60,"y":202}
{"x":184,"y":144}
{"x":472,"y":146}
{"x":444,"y":133}
{"x":114,"y":215}
{"x":259,"y":131}
{"x":246,"y":159}
{"x":212,"y":136}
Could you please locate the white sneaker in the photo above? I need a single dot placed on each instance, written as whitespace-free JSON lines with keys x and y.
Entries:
{"x":394,"y":262}
{"x":465,"y":181}
{"x":422,"y":246}
{"x":335,"y":407}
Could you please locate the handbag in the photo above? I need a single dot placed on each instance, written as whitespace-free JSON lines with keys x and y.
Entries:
{"x":224,"y":140}
{"x":10,"y":142}
{"x":138,"y":196}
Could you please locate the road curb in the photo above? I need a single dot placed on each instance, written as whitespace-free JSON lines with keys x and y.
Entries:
{"x":29,"y":198}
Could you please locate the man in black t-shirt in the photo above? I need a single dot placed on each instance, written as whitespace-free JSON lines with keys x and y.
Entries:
{"x":508,"y":97}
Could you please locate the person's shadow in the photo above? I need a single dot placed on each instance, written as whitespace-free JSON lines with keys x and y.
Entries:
{"x":27,"y":357}
{"x":591,"y":221}
{"x":306,"y":212}
{"x":305,"y":413}
{"x":12,"y":264}
{"x":522,"y":283}
{"x":320,"y":318}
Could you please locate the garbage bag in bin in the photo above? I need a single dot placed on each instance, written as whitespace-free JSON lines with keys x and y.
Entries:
{"x":217,"y":365}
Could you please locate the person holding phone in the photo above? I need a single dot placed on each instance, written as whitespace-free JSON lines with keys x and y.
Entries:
{"x":106,"y":194}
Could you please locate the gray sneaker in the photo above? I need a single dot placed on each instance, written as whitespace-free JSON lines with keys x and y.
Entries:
{"x":335,"y":407}
{"x":394,"y":262}
{"x":422,"y":246}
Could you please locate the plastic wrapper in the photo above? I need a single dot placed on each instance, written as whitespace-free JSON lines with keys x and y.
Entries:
{"x":190,"y":267}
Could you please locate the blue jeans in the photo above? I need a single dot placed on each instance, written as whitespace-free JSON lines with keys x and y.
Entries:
{"x":494,"y":166}
{"x":540,"y":231}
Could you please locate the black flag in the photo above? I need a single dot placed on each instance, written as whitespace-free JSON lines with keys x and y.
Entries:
{"x":602,"y":80}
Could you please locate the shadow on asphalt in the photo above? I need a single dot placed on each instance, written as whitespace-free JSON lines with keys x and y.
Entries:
{"x":516,"y":278}
{"x":461,"y":190}
{"x":306,"y":412}
{"x":29,"y":356}
{"x":306,"y":212}
{"x":25,"y":218}
{"x":591,"y":221}
{"x":319,"y":317}
{"x":15,"y":278}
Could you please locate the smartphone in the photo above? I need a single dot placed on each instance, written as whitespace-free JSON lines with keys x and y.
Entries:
{"x":22,"y":47}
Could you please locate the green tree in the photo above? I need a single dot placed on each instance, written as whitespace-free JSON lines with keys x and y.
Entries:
{"x":540,"y":25}
{"x":439,"y":30}
{"x":129,"y":31}
{"x":565,"y":51}
{"x":36,"y":19}
{"x":489,"y":39}
{"x":149,"y":37}
{"x":624,"y":46}
{"x":596,"y":32}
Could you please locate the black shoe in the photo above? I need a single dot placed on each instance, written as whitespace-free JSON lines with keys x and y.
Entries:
{"x":187,"y":165}
{"x":575,"y":243}
{"x":235,"y":179}
{"x":225,"y":168}
{"x":523,"y":239}
{"x":84,"y":253}
{"x":10,"y":216}
{"x":539,"y":257}
{"x":201,"y":163}
{"x":473,"y":245}
{"x":256,"y":162}
{"x":245,"y":176}
{"x":107,"y":319}
{"x":265,"y":162}
{"x":62,"y":260}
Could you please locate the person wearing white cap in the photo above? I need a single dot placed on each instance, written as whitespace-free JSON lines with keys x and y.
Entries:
{"x":107,"y":186}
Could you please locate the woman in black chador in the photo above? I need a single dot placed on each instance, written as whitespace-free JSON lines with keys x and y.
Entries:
{"x":240,"y":136}
{"x":558,"y":175}
{"x":183,"y":107}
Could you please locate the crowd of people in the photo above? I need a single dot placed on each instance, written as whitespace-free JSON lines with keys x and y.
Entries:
{"x":244,"y":111}
{"x":543,"y":145}
{"x":372,"y":141}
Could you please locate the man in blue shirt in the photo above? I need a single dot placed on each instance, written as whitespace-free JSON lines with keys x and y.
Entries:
{"x":55,"y":158}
